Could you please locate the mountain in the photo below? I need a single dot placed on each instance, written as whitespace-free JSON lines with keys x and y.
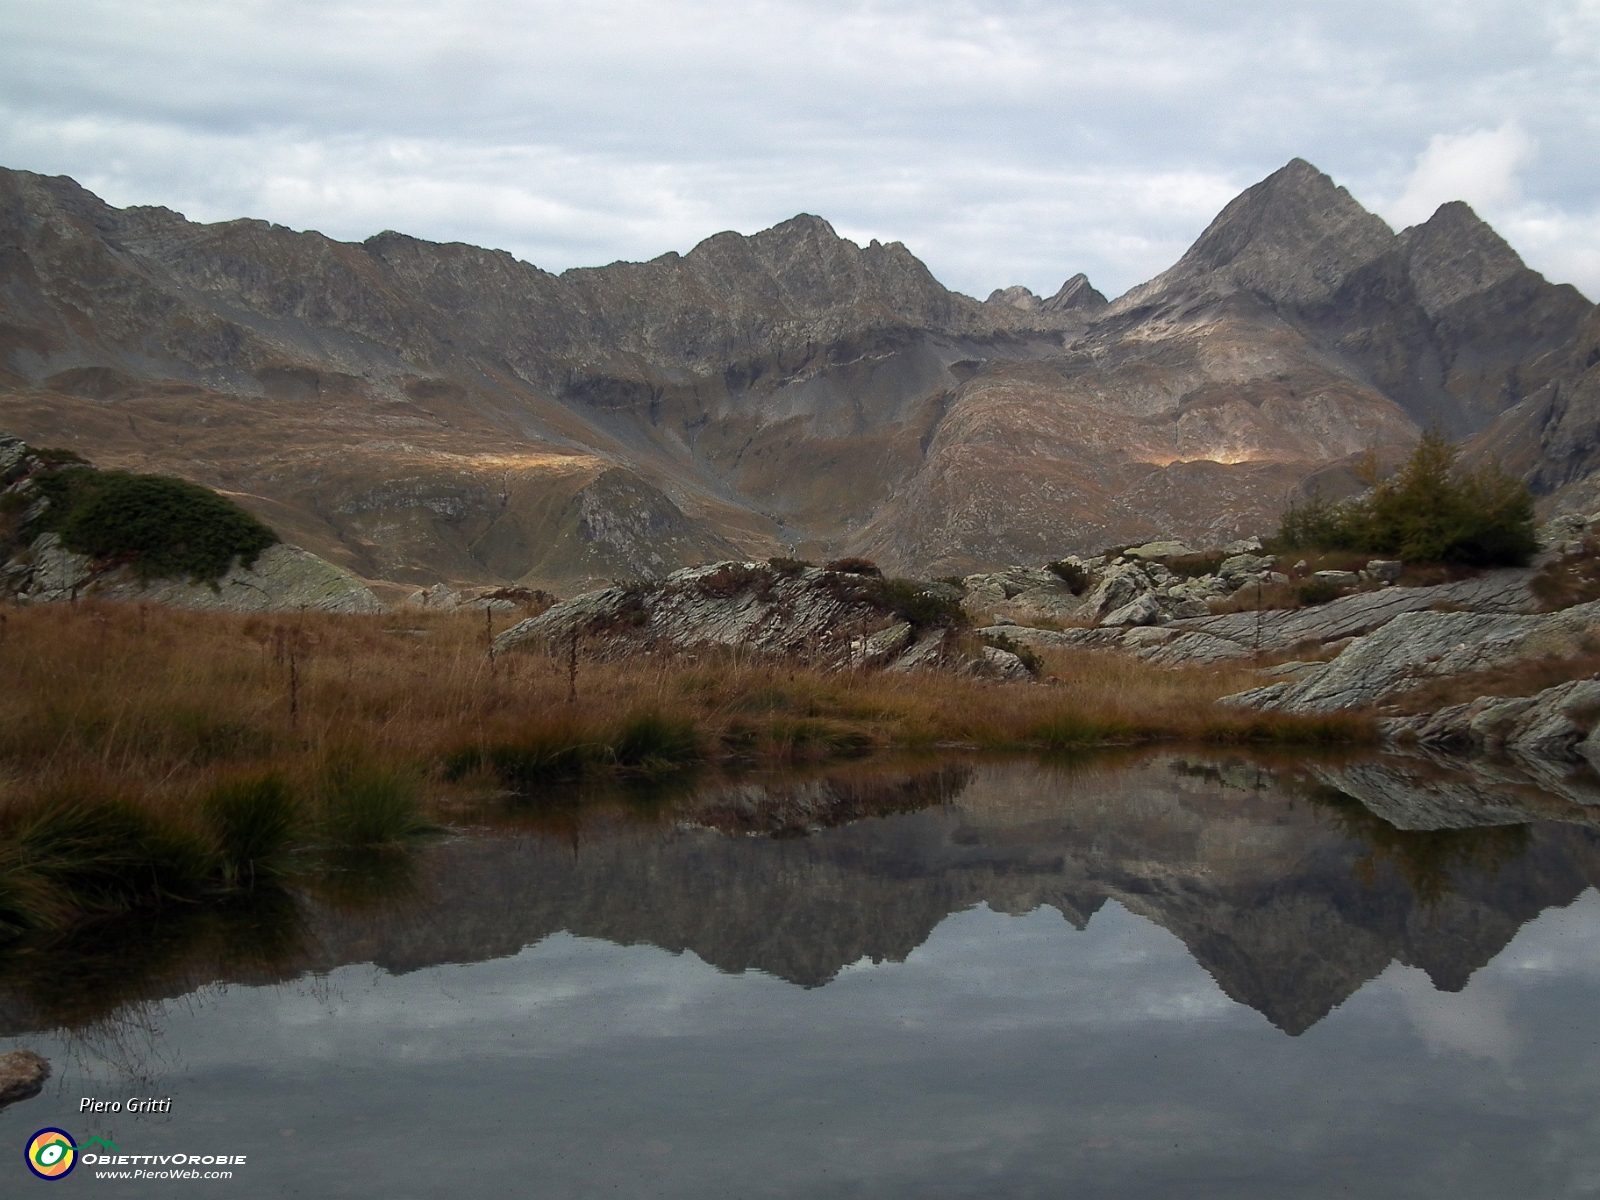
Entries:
{"x":416,"y":411}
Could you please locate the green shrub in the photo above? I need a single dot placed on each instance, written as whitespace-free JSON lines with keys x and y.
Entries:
{"x":254,"y":822}
{"x":165,"y":527}
{"x":909,"y":601}
{"x":1316,"y":591}
{"x":366,"y":806}
{"x":1426,"y":512}
{"x":854,"y":566}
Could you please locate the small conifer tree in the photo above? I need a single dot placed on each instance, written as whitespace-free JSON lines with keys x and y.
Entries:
{"x":1428,"y":511}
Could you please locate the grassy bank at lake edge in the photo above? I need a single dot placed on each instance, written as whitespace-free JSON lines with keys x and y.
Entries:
{"x":152,"y":756}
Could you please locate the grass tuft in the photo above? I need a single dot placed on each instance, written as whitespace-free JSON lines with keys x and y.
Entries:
{"x":365,"y":805}
{"x":254,"y":821}
{"x":654,"y":744}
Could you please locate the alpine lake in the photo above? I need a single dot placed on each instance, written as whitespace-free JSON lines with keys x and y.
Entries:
{"x":1172,"y":973}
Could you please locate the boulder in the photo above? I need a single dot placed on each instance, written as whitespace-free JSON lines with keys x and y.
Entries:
{"x":1504,"y":591}
{"x":1338,"y":579}
{"x":1241,"y":565}
{"x":1148,"y":635}
{"x":1385,"y":569}
{"x":928,"y":653}
{"x":885,"y":645}
{"x":1054,"y":639}
{"x":1141,"y":610}
{"x":1001,"y":665}
{"x":1192,"y":648}
{"x":1250,"y":545}
{"x":284,"y":578}
{"x":438,"y":598}
{"x":22,"y":1076}
{"x":1119,"y":585}
{"x":1167,"y":549}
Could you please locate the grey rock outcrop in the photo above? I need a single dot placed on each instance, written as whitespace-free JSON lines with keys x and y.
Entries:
{"x":1556,"y":724}
{"x":1503,"y":591}
{"x":830,"y":619}
{"x":283,"y":578}
{"x":1416,"y":647}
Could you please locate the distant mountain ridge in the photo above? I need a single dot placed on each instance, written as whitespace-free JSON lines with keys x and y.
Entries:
{"x":417,"y":411}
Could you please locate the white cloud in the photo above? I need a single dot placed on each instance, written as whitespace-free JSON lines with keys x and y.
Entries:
{"x":1479,"y":167}
{"x":1004,"y":141}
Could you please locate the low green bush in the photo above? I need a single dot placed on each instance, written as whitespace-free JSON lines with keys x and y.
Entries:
{"x":909,"y":601}
{"x":165,"y":527}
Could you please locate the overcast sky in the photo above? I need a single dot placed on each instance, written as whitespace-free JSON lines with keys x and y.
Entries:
{"x":1004,"y":141}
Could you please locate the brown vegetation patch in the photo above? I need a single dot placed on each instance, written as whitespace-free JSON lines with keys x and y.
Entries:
{"x":1571,"y":579}
{"x":163,"y":703}
{"x":1523,"y":678}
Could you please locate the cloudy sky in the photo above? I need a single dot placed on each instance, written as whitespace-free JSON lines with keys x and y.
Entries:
{"x":1004,"y":141}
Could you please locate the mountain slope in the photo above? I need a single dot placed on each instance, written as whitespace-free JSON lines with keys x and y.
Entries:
{"x":417,"y":411}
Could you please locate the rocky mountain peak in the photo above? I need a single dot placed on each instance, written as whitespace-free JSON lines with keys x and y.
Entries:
{"x":1293,"y":238}
{"x":1075,"y":293}
{"x":1015,"y":296}
{"x":1455,"y":254}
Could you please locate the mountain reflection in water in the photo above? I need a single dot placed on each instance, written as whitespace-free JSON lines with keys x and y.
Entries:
{"x":1288,"y":892}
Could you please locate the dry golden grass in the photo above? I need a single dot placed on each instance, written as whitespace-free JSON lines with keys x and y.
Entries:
{"x":164,"y":704}
{"x":1523,"y":677}
{"x":1570,"y":579}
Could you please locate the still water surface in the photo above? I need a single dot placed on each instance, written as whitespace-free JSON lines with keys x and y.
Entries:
{"x":1171,"y":976}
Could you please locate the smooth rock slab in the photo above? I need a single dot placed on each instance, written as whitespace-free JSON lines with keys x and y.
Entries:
{"x":1351,"y":616}
{"x":1416,"y":647}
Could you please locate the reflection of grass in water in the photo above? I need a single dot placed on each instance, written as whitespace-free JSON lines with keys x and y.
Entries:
{"x":94,"y":976}
{"x":1430,"y":861}
{"x":92,"y":973}
{"x":76,"y":854}
{"x":366,"y":880}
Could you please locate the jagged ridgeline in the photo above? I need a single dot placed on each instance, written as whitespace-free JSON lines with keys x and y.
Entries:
{"x":160,"y":526}
{"x":417,"y":412}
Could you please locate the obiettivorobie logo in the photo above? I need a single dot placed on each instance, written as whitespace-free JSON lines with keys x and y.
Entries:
{"x":52,"y":1153}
